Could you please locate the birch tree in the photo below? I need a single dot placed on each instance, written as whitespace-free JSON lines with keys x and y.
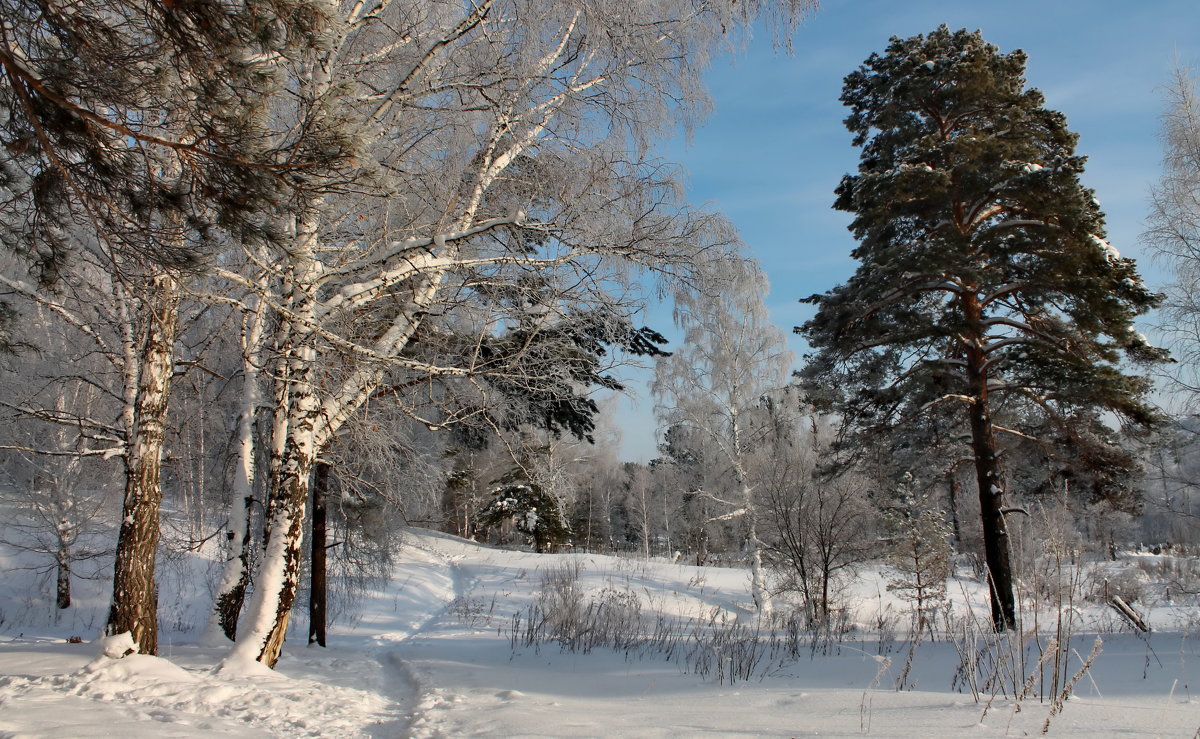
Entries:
{"x":1173,"y":228}
{"x":507,"y":143}
{"x":730,"y":357}
{"x":235,"y":575}
{"x":62,"y":506}
{"x":142,"y":129}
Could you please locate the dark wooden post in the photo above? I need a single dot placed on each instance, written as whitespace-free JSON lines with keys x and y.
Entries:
{"x":318,"y":588}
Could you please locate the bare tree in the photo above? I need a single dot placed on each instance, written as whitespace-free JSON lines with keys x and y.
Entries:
{"x":134,"y":343}
{"x":1174,"y":229}
{"x":731,"y":356}
{"x":61,"y":506}
{"x":235,"y":575}
{"x":818,"y":527}
{"x":1173,"y":232}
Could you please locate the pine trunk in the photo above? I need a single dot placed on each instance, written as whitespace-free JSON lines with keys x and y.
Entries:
{"x":988,"y":477}
{"x":318,"y":587}
{"x":135,"y":597}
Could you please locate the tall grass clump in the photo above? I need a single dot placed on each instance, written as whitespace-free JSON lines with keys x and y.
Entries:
{"x":713,"y":643}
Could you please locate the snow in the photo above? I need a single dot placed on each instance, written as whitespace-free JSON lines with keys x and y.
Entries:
{"x":923,"y":167}
{"x":431,"y":655}
{"x":117,"y":645}
{"x":1110,"y":252}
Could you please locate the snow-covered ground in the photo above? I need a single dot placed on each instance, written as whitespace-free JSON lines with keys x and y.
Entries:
{"x":433,"y":656}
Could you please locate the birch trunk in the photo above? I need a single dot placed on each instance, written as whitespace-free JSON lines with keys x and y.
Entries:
{"x":135,"y":597}
{"x":235,"y":578}
{"x":63,"y":589}
{"x":758,"y":573}
{"x":279,"y":575}
{"x":294,"y":450}
{"x":65,"y":532}
{"x":311,"y":424}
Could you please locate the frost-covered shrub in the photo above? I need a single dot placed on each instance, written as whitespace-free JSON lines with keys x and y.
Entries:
{"x":1130,"y":584}
{"x":1179,"y":575}
{"x":577,"y":620}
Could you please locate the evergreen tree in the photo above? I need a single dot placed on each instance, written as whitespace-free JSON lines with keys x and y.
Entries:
{"x":137,"y":136}
{"x":146,"y":123}
{"x":920,"y":553}
{"x":533,"y":511}
{"x":985,"y":282}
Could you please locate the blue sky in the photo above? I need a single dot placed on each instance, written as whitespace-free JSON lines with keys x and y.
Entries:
{"x":775,"y":147}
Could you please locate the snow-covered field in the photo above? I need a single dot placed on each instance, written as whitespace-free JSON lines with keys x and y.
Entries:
{"x":433,"y":655}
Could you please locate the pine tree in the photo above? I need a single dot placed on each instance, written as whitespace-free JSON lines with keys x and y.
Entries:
{"x":530,"y":507}
{"x":146,"y":124}
{"x":985,"y":282}
{"x":920,"y":553}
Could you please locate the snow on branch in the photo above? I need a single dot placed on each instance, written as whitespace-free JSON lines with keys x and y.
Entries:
{"x":980,"y":215}
{"x":29,"y":291}
{"x":64,"y":419}
{"x":1005,"y":289}
{"x":948,"y":397}
{"x":108,"y":453}
{"x":1020,"y":326}
{"x":1019,"y":223}
{"x":473,"y":19}
{"x":1014,"y":432}
{"x":405,"y":248}
{"x":360,"y":294}
{"x":738,"y":513}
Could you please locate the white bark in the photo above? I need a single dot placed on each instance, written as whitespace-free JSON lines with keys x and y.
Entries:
{"x":234,"y":576}
{"x":477,"y":114}
{"x":730,"y":358}
{"x":135,"y":600}
{"x":275,"y":587}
